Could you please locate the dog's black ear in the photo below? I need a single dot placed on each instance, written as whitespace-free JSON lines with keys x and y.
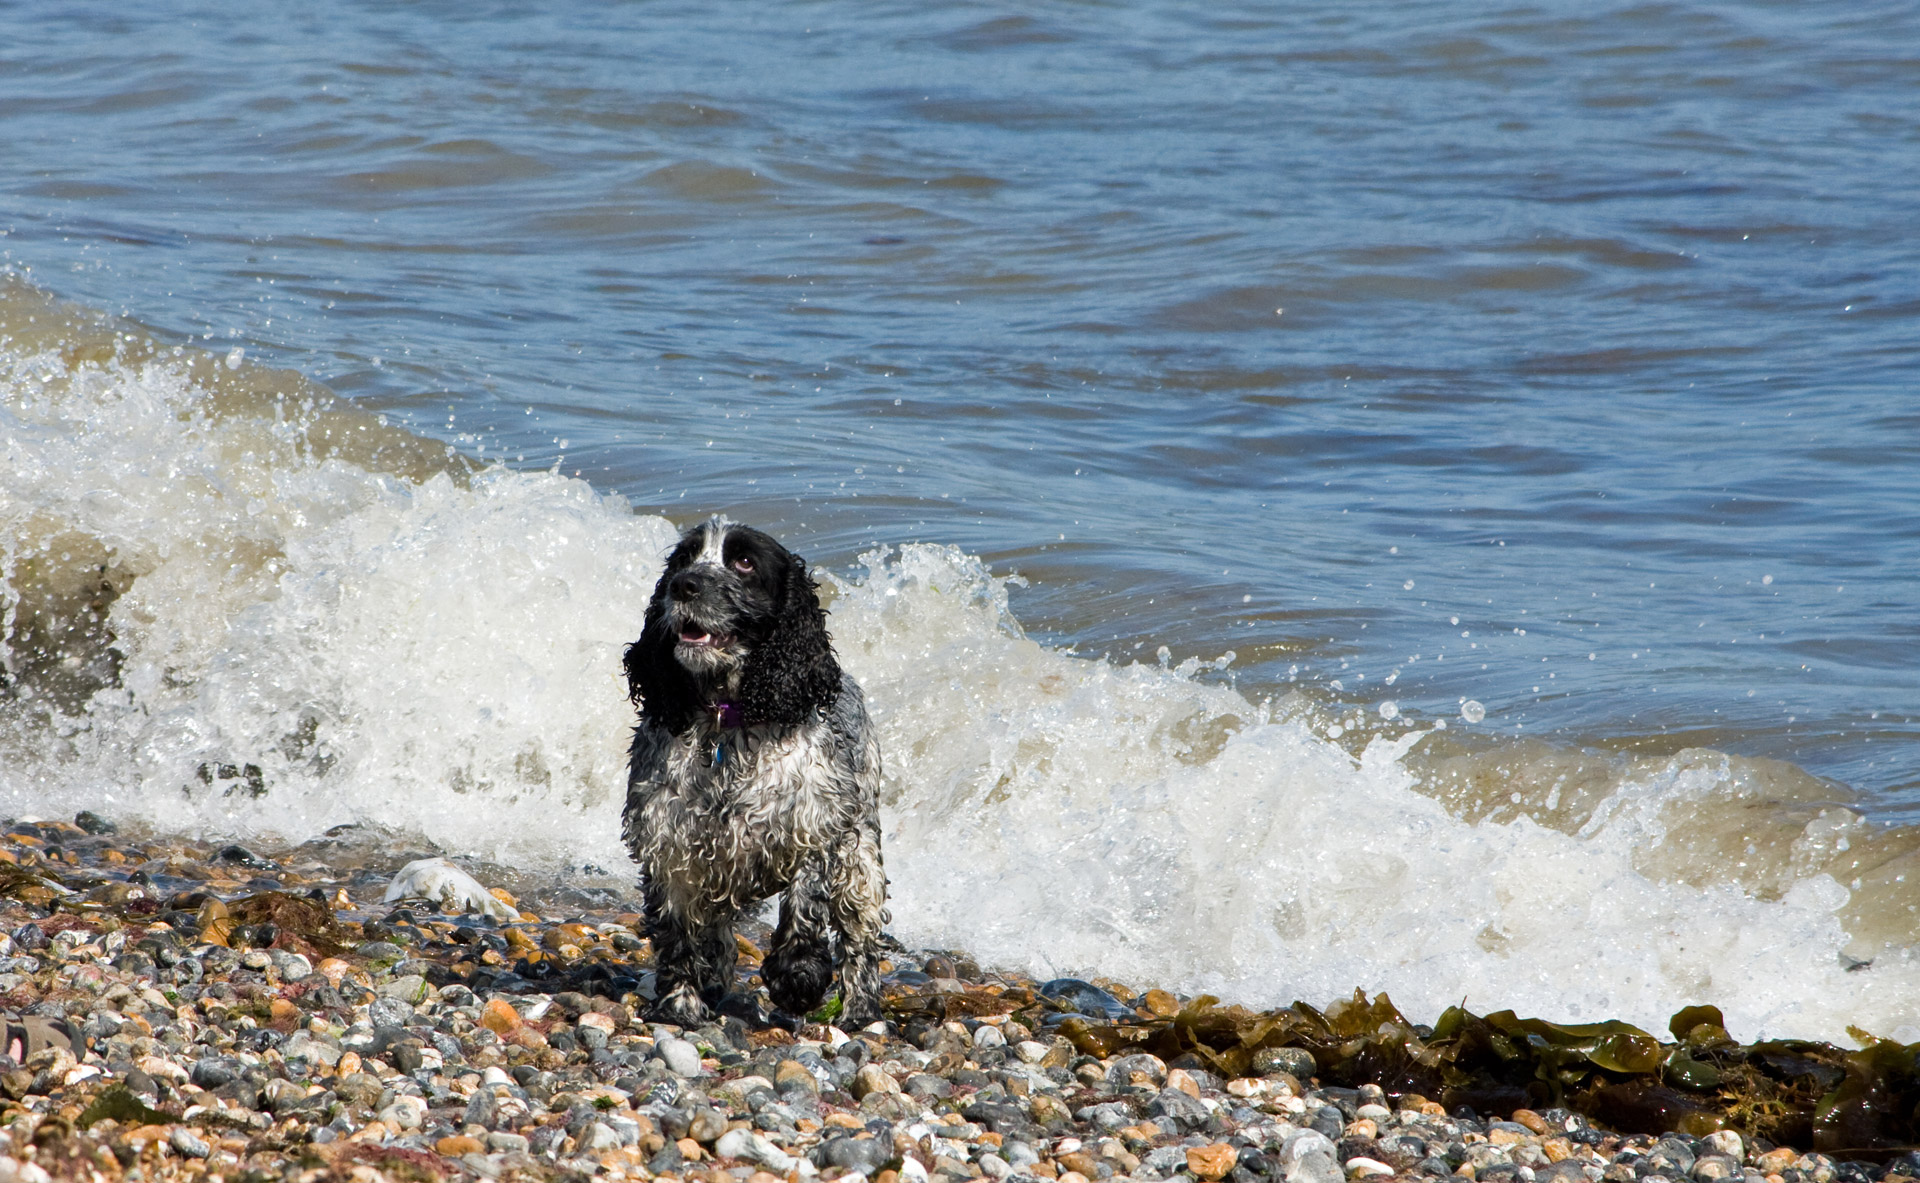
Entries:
{"x":791,"y":674}
{"x":660,"y":686}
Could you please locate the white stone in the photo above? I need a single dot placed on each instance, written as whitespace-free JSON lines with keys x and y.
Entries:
{"x":1361,"y":1168}
{"x":1308,"y":1156}
{"x":872,"y":1078}
{"x":679,"y":1056}
{"x":751,"y":1147}
{"x":598,"y":1137}
{"x":533,"y":1009}
{"x":406,"y":1113}
{"x":994,"y":1166}
{"x":305,"y":1046}
{"x":160,"y":1066}
{"x":408,"y":988}
{"x":734,"y":1092}
{"x":1728,"y":1143}
{"x":189,"y":1143}
{"x":453,"y":890}
{"x":1030,"y":1050}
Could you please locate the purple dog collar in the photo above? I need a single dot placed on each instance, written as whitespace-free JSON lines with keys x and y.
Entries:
{"x":728,"y":714}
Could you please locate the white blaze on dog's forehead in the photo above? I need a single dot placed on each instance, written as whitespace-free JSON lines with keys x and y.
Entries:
{"x":713,"y":540}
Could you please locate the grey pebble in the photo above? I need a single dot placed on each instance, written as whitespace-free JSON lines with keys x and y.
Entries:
{"x":1308,"y":1156}
{"x":1297,"y":1062}
{"x":1183,"y":1109}
{"x":866,"y":1155}
{"x":681,"y":1057}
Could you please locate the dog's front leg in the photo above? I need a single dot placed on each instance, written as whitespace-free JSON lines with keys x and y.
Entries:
{"x":676,"y":979}
{"x":857,"y":892}
{"x":693,"y":967}
{"x":799,"y":965}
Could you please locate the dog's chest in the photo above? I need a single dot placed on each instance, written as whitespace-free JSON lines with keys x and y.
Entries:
{"x":731,"y":816}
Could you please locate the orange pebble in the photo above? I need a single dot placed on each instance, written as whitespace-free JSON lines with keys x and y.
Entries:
{"x":499,"y":1017}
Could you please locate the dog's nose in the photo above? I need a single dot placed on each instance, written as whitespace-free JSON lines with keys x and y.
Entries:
{"x":686,"y":585}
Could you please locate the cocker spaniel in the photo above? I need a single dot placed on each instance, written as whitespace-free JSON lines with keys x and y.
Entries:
{"x":754,"y":770}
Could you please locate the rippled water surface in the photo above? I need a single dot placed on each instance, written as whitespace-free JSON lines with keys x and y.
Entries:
{"x":1556,"y":358}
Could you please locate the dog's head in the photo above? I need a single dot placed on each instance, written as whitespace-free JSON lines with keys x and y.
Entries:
{"x":735,"y":623}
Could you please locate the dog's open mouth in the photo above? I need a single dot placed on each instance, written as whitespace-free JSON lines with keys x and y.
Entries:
{"x":693,"y":634}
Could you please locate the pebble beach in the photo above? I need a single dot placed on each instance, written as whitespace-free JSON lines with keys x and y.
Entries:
{"x":248,"y":1017}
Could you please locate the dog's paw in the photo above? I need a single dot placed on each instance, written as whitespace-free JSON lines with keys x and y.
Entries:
{"x":680,"y":1007}
{"x":797,"y":976}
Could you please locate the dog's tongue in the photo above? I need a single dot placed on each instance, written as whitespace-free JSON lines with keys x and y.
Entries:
{"x":694,"y":636}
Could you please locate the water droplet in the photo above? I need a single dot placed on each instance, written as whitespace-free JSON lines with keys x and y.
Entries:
{"x":1472,"y":711}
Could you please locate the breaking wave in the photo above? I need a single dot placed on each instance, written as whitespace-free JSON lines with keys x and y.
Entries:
{"x":234,"y":604}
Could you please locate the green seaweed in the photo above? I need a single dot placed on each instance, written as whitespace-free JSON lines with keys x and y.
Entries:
{"x":1861,"y":1104}
{"x":116,"y":1103}
{"x":827,"y":1013}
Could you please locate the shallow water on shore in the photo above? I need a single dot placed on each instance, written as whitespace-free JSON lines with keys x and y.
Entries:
{"x":1543,"y":373}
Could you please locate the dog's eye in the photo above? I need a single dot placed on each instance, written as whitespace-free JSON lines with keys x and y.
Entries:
{"x":744,"y":565}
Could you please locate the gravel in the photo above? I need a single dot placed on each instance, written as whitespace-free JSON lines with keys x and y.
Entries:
{"x":369,"y":1043}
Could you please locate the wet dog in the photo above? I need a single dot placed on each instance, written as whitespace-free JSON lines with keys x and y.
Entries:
{"x":754,"y":770}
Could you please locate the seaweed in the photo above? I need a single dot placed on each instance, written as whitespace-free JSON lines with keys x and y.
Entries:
{"x":117,"y":1103}
{"x":1862,"y":1104}
{"x":300,"y":924}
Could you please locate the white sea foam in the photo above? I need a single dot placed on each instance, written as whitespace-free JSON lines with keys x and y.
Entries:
{"x":442,"y":657}
{"x":436,"y":657}
{"x":1068,"y":815}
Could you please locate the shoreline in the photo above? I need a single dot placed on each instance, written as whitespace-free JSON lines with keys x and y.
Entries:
{"x":246,"y":1020}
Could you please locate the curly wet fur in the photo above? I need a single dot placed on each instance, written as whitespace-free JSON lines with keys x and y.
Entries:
{"x":754,"y":770}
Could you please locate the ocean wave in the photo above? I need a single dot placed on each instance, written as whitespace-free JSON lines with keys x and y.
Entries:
{"x":236,"y":605}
